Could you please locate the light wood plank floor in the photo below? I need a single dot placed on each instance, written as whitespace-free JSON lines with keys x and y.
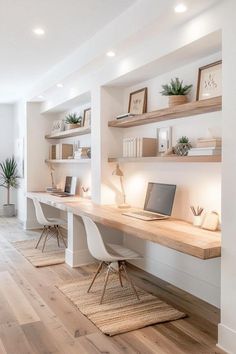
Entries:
{"x":35,"y":317}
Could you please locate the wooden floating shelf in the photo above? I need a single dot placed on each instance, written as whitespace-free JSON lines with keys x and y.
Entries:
{"x":181,"y":111}
{"x":69,"y":161}
{"x":170,"y":158}
{"x":69,"y":133}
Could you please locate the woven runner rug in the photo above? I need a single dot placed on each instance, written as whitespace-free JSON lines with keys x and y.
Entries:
{"x":120,"y":311}
{"x":52,"y":254}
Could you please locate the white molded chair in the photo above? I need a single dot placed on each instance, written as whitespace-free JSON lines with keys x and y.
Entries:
{"x":107,"y":255}
{"x":50,"y":226}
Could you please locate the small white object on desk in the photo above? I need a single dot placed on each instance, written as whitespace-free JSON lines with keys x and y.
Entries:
{"x":211,"y":221}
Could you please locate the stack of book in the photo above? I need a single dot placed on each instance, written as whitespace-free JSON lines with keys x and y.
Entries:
{"x":206,"y":147}
{"x":139,"y":147}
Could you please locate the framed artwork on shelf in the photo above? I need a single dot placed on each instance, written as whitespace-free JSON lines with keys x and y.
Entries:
{"x":209,"y":81}
{"x":57,"y":126}
{"x":164,"y":140}
{"x":138,"y":101}
{"x":87,"y":118}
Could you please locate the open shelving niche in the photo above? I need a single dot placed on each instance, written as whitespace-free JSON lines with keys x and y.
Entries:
{"x":181,"y":111}
{"x":197,"y":51}
{"x":69,"y":166}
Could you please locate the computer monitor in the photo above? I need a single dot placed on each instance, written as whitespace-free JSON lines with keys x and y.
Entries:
{"x":160,"y":198}
{"x":70,"y":185}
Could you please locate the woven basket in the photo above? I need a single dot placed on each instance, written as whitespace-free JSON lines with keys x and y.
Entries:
{"x":177,"y":100}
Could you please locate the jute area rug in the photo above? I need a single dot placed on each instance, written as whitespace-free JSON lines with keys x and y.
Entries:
{"x":52,"y":254}
{"x":120,"y":311}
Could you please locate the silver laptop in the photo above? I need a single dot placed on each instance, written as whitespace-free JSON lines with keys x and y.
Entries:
{"x":158,"y":202}
{"x":70,"y":188}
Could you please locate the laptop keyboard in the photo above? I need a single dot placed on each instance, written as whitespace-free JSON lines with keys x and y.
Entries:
{"x":149,"y":215}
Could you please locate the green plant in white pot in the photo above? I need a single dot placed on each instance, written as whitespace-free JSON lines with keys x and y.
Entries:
{"x":73,"y":121}
{"x":176,"y":91}
{"x":8,"y":180}
{"x":183,"y":146}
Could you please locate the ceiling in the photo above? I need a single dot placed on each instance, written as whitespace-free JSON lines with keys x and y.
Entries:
{"x":25,"y":57}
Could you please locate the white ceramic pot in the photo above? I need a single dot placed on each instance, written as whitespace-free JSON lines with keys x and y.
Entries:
{"x":9,"y":210}
{"x":197,"y":221}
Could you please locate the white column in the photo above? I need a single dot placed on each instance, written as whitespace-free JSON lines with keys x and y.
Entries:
{"x":77,"y":252}
{"x":227,"y":327}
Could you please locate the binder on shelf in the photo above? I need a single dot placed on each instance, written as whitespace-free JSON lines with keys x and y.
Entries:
{"x":61,"y":151}
{"x":139,"y":147}
{"x":212,"y":143}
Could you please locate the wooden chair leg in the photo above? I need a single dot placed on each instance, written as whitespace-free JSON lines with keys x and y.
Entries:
{"x":45,"y":239}
{"x":61,"y":236}
{"x":119,"y":273}
{"x":41,"y":236}
{"x":105,"y":284}
{"x":95,"y":276}
{"x":58,"y":241}
{"x":129,"y":280}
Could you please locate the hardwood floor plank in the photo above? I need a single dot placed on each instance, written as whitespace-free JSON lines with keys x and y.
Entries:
{"x":16,"y":299}
{"x":39,"y":339}
{"x":13,"y":340}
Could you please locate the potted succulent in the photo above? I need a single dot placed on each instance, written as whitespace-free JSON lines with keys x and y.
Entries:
{"x":183,"y":146}
{"x":9,"y":179}
{"x":176,"y":91}
{"x":73,"y":121}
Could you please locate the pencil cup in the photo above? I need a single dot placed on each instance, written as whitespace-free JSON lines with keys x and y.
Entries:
{"x":197,"y":221}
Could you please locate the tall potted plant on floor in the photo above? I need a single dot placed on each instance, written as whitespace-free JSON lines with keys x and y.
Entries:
{"x":8,"y":180}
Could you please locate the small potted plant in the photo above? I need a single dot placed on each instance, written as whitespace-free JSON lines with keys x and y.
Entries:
{"x":176,"y":91}
{"x":9,"y":179}
{"x":183,"y":146}
{"x":73,"y":121}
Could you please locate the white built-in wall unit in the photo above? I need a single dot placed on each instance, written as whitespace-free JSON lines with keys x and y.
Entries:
{"x":145,"y":59}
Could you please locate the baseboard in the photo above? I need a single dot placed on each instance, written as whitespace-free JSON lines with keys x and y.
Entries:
{"x":226,"y":339}
{"x":195,"y":286}
{"x":78,"y":258}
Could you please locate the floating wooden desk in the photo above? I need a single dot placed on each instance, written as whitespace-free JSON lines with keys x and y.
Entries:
{"x":176,"y":234}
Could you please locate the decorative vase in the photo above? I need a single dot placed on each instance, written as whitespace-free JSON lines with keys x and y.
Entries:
{"x":176,"y":100}
{"x":182,"y":149}
{"x":71,"y":126}
{"x":9,"y":210}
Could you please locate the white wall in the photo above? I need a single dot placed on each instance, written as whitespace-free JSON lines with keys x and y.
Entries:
{"x":6,"y":143}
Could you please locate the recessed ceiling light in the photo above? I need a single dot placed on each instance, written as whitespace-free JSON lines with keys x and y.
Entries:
{"x":59,"y":85}
{"x":111,"y":53}
{"x":180,"y":8}
{"x":40,"y":97}
{"x":39,"y":31}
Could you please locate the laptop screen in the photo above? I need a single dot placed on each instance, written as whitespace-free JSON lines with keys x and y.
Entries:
{"x":160,"y":198}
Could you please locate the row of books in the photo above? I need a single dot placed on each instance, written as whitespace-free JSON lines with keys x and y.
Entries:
{"x":139,"y":147}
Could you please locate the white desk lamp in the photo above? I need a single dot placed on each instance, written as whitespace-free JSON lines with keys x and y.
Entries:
{"x":118,"y":172}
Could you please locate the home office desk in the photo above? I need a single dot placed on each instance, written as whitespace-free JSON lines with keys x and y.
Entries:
{"x":172,"y":233}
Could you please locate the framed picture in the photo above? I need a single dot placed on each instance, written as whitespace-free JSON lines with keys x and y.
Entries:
{"x":138,"y":101}
{"x":209,"y":81}
{"x":57,"y":126}
{"x":87,"y":118}
{"x":164,"y":140}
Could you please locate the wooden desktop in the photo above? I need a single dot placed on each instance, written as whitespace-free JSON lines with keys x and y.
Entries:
{"x":172,"y":233}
